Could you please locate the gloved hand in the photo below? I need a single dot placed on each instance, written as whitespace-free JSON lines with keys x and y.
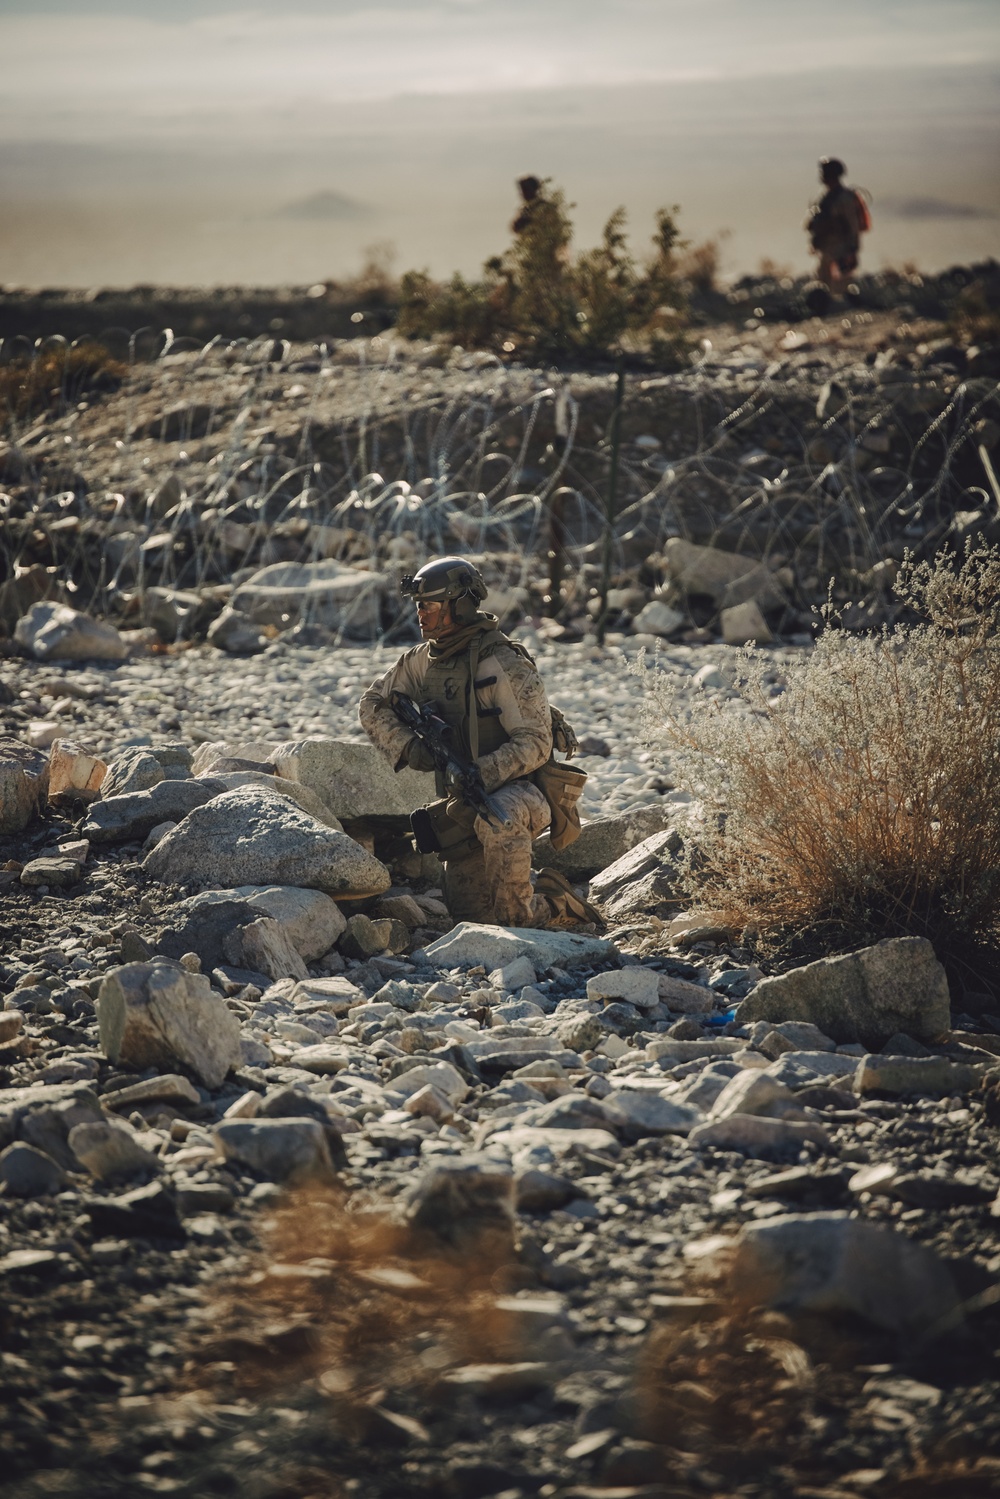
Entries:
{"x":418,"y":756}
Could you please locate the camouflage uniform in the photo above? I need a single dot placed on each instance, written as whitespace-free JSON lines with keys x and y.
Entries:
{"x":488,"y":878}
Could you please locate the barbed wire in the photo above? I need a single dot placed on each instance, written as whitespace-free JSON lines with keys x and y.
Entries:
{"x":824,"y":482}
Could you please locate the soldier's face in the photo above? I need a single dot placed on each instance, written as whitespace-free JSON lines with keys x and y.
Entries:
{"x":434,"y":618}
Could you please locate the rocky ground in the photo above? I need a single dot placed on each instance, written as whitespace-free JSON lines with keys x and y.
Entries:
{"x":413,"y":1211}
{"x":304,"y":1192}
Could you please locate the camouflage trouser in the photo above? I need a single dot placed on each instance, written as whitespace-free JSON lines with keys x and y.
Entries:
{"x":491,"y":880}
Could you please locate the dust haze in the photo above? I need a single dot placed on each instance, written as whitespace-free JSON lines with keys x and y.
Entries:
{"x":282,"y":148}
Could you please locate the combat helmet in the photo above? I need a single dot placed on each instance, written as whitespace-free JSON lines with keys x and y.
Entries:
{"x":448,"y":578}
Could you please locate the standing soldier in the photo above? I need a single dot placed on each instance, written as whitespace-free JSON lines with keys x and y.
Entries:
{"x":836,"y":225}
{"x":487,"y":692}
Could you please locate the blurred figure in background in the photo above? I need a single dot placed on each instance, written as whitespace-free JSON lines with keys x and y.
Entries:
{"x":836,"y":224}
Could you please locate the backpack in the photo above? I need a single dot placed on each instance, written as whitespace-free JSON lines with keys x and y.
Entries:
{"x":864,"y":212}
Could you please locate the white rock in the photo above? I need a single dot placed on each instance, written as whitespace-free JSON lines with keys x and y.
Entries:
{"x":430,"y":1103}
{"x":247,"y":1106}
{"x":756,"y":1135}
{"x":159,"y":1015}
{"x":440,"y":1075}
{"x":561,"y":1142}
{"x":24,"y":774}
{"x":249,"y":837}
{"x":751,"y":1093}
{"x":495,"y":947}
{"x":640,"y":1114}
{"x":74,"y":773}
{"x":834,"y":1263}
{"x":743,"y":623}
{"x":55,"y":632}
{"x":280,"y":1150}
{"x":262,"y":946}
{"x":684,"y":997}
{"x":635,"y":985}
{"x":310,"y":920}
{"x":658,"y":618}
{"x":111,"y":1152}
{"x":281,"y":786}
{"x":515,"y":976}
{"x":324,"y":593}
{"x":321,"y":1058}
{"x":726,"y":577}
{"x":867,"y":996}
{"x":604,"y":839}
{"x":337,"y":994}
{"x":354,"y":780}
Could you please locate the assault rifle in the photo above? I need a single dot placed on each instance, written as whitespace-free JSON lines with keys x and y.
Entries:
{"x":462,"y":777}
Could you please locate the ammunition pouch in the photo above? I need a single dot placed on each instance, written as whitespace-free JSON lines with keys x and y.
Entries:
{"x":562,"y":788}
{"x":445,"y":828}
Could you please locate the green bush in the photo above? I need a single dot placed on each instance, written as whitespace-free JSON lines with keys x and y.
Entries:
{"x":865,"y":798}
{"x":537,"y":300}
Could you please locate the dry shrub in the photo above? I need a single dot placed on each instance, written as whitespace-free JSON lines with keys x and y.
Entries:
{"x":738,"y":1391}
{"x":56,"y":376}
{"x":699,"y":265}
{"x":975,"y":315}
{"x":347,"y":1292}
{"x":537,"y":300}
{"x":866,"y":797}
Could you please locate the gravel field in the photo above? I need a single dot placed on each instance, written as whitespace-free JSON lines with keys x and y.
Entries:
{"x":203,"y":1349}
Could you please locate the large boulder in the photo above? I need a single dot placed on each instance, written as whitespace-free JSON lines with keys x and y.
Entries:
{"x":24,"y":777}
{"x":833,"y":1263}
{"x":353,"y":779}
{"x":302,"y":796}
{"x":309,"y":920}
{"x":647,"y":876}
{"x":866,"y":996}
{"x":55,"y":632}
{"x":250,"y":837}
{"x":603,"y":841}
{"x":724,"y":577}
{"x":470,"y":943}
{"x":129,"y":818}
{"x":159,"y":1015}
{"x":321,"y":593}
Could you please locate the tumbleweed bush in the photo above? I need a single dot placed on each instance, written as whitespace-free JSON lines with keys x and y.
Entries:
{"x":865,"y":796}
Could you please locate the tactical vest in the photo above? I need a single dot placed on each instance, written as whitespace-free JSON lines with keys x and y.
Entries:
{"x":475,"y":730}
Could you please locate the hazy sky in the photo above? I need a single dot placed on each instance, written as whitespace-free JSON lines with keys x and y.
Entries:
{"x":161,"y":139}
{"x":161,"y":57}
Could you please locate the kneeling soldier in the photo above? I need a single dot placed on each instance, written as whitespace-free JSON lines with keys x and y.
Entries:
{"x":488,"y":693}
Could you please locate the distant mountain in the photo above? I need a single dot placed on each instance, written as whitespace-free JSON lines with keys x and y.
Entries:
{"x":328,"y":205}
{"x":935,"y":208}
